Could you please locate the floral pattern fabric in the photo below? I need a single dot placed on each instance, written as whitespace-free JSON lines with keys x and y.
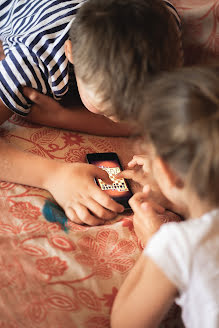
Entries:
{"x":51,"y":277}
{"x":200,"y":23}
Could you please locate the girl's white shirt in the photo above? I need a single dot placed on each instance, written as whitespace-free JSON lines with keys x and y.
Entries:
{"x":188,"y":254}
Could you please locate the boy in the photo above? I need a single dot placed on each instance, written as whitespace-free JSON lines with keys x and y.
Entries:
{"x":115,"y":47}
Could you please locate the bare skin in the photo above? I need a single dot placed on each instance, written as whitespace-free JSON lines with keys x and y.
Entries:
{"x":77,"y":114}
{"x":139,"y":170}
{"x":71,"y":185}
{"x":73,"y":116}
{"x":147,"y":294}
{"x":88,"y":205}
{"x":84,"y":205}
{"x":76,"y":117}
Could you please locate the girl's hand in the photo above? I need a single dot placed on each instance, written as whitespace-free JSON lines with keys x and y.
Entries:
{"x":73,"y":187}
{"x":142,"y":161}
{"x":148,"y":215}
{"x":138,"y":170}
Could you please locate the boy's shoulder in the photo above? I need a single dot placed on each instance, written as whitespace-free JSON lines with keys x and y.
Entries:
{"x":33,"y":34}
{"x":36,"y":19}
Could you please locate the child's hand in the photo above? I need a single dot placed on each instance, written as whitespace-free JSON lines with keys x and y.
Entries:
{"x":148,"y":215}
{"x":44,"y":110}
{"x":73,"y":187}
{"x":139,"y":169}
{"x":140,"y":172}
{"x":140,"y":160}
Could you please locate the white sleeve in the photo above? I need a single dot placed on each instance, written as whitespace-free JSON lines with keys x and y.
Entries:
{"x":170,"y":250}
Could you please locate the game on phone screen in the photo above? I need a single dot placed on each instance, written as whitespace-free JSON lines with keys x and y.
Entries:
{"x":119,"y":190}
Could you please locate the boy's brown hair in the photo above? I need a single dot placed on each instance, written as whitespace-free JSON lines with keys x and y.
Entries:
{"x":119,"y":44}
{"x":181,"y":116}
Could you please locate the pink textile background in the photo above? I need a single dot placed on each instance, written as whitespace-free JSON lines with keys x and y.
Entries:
{"x":50,"y":278}
{"x":200,"y":21}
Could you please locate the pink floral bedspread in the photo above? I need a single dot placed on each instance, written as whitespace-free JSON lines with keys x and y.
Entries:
{"x":53,"y":278}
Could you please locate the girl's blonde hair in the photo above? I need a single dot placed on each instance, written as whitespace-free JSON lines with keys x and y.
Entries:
{"x":181,"y":116}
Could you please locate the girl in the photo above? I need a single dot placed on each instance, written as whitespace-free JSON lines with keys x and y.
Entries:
{"x":181,"y":260}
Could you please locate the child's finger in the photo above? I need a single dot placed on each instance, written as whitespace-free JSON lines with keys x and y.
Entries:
{"x":132,"y":163}
{"x":136,"y":160}
{"x":102,"y":174}
{"x":71,"y":215}
{"x":98,"y":210}
{"x":85,"y":215}
{"x":101,"y":197}
{"x":35,"y":96}
{"x":137,"y":199}
{"x":156,"y":207}
{"x":30,"y":93}
{"x":140,"y":201}
{"x":126,"y":174}
{"x":106,"y":201}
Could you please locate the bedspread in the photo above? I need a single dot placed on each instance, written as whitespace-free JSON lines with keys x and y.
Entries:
{"x":55,"y":277}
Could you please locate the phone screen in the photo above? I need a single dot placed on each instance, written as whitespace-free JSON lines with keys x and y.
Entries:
{"x":119,"y":190}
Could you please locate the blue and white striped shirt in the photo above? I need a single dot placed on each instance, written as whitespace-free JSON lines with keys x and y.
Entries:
{"x":33,"y":34}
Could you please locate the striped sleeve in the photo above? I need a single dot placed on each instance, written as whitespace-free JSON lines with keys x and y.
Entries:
{"x":4,"y":8}
{"x":20,"y":68}
{"x":33,"y":35}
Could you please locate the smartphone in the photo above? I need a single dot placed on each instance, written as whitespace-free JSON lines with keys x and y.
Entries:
{"x":119,"y":190}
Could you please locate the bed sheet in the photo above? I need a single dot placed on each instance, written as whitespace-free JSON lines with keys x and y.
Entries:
{"x":55,"y":277}
{"x":200,"y":27}
{"x":51,"y":276}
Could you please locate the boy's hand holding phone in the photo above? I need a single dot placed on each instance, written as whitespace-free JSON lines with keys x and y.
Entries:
{"x":74,"y":188}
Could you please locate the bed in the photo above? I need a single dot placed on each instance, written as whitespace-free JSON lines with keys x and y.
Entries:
{"x":51,"y":276}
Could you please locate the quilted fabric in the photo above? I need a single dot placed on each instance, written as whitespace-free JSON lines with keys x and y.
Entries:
{"x":56,"y":277}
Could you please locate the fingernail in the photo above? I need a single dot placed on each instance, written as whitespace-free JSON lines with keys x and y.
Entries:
{"x":31,"y":96}
{"x":144,"y":206}
{"x":146,"y":188}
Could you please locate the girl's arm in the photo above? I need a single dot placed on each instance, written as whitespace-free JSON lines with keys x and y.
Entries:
{"x":144,"y":298}
{"x":147,"y":294}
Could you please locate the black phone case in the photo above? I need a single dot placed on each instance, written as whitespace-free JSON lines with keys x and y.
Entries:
{"x":97,"y":158}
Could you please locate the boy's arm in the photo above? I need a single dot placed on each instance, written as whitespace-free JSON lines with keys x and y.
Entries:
{"x":47,"y":111}
{"x":5,"y":113}
{"x":144,"y":298}
{"x":72,"y":185}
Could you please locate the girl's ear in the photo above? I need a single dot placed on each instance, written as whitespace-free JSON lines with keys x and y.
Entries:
{"x":170,"y":174}
{"x":68,"y":50}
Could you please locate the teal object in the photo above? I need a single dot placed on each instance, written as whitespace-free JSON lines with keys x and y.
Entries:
{"x":54,"y":213}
